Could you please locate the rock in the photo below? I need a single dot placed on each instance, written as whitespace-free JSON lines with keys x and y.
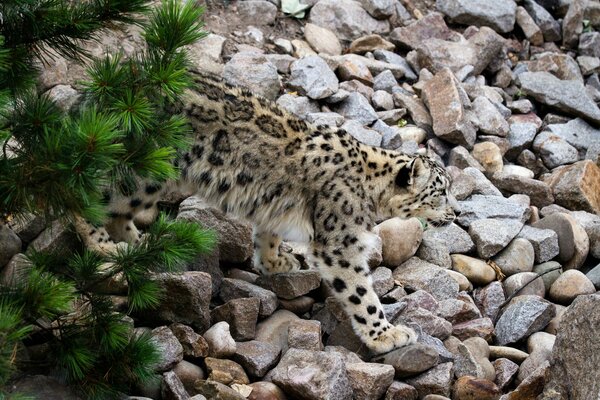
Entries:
{"x":355,"y":85}
{"x":302,"y":49}
{"x":256,"y":357}
{"x":563,"y":66}
{"x":529,"y":281}
{"x":241,"y":315}
{"x":480,"y":207}
{"x":500,"y":16}
{"x":522,"y":106}
{"x":415,"y":107}
{"x":410,"y":360}
{"x":480,"y":352}
{"x":523,"y":316}
{"x":206,"y":53}
{"x":450,"y":121}
{"x":489,"y":299}
{"x":312,"y":375}
{"x":397,"y":61}
{"x":510,"y":353}
{"x":265,"y":391}
{"x":400,"y":239}
{"x":567,"y":96}
{"x":346,"y":18}
{"x":313,"y":77}
{"x":493,"y":235}
{"x":194,"y":345}
{"x":456,"y":311}
{"x":531,"y":387}
{"x":527,"y":24}
{"x":589,"y":65}
{"x":188,"y":299}
{"x":282,"y":62}
{"x":470,"y":388}
{"x":588,"y":44}
{"x":461,"y":158}
{"x":303,"y":334}
{"x":489,"y":156}
{"x":10,"y":244}
{"x":539,"y":346}
{"x":290,"y":285}
{"x":401,"y":391}
{"x":482,"y":184}
{"x":383,"y":280}
{"x":257,"y":12}
{"x":220,"y":342}
{"x":431,"y":26}
{"x":419,"y":299}
{"x":369,"y":381}
{"x":569,"y":285}
{"x":539,"y":192}
{"x":254,"y":72}
{"x":506,"y":370}
{"x":357,"y":107}
{"x":64,"y":96}
{"x":522,"y":131}
{"x":322,"y":40}
{"x":169,"y":348}
{"x":454,"y":237}
{"x":544,"y":20}
{"x":234,"y":237}
{"x":572,"y":24}
{"x":216,"y":391}
{"x":544,"y":241}
{"x":572,"y":373}
{"x":299,"y":305}
{"x":274,"y":329}
{"x":488,"y":118}
{"x":385,"y":81}
{"x":370,"y":43}
{"x":437,"y":380}
{"x":553,"y":150}
{"x":325,"y":118}
{"x":594,"y":276}
{"x":382,"y":100}
{"x":300,"y":106}
{"x":575,"y":186}
{"x":435,"y":251}
{"x":187,"y":373}
{"x":518,"y":256}
{"x":463,"y":283}
{"x":480,"y":327}
{"x":353,"y":69}
{"x":235,"y":289}
{"x":573,"y":241}
{"x":426,"y":321}
{"x":417,"y":274}
{"x":375,"y":66}
{"x":226,"y":372}
{"x":477,"y":271}
{"x":549,"y":277}
{"x":359,"y":132}
{"x":57,"y":239}
{"x":43,"y":387}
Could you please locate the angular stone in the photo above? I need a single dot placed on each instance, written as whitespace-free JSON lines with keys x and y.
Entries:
{"x":253,"y":71}
{"x":325,"y":118}
{"x":453,"y":236}
{"x":506,"y":370}
{"x":489,"y":299}
{"x":241,"y":314}
{"x":383,"y":280}
{"x":357,"y":107}
{"x":430,"y":26}
{"x":313,"y":77}
{"x":369,"y":381}
{"x":354,"y":69}
{"x":256,"y":357}
{"x":303,"y":334}
{"x":437,"y":380}
{"x":488,"y":118}
{"x":274,"y":329}
{"x":169,"y":348}
{"x":257,"y":12}
{"x":57,"y":239}
{"x":415,"y":107}
{"x":410,"y":360}
{"x":563,"y":66}
{"x":359,"y":132}
{"x":532,"y":32}
{"x":450,"y":121}
{"x":480,"y":327}
{"x":544,"y":241}
{"x":418,"y":274}
{"x":194,"y":345}
{"x":313,"y":375}
{"x":500,"y":15}
{"x":518,"y":256}
{"x":470,"y":388}
{"x":290,"y":285}
{"x":493,"y":235}
{"x":553,"y":150}
{"x":172,"y":388}
{"x":572,"y":24}
{"x":549,"y":26}
{"x":523,"y":316}
{"x":346,"y":18}
{"x":322,"y":40}
{"x":576,"y":186}
{"x":370,"y":43}
{"x":300,"y":106}
{"x":226,"y":372}
{"x":401,"y":391}
{"x":216,"y":391}
{"x":235,"y":289}
{"x":461,"y":158}
{"x":220,"y":342}
{"x":539,"y":192}
{"x":427,"y":321}
{"x":10,"y":244}
{"x":456,"y":311}
{"x":480,"y":207}
{"x":567,"y":96}
{"x":397,"y":61}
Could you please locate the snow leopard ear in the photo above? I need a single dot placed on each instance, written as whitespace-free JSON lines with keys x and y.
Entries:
{"x":413,"y":175}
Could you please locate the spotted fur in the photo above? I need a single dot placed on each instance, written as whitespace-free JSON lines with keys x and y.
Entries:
{"x":300,"y":182}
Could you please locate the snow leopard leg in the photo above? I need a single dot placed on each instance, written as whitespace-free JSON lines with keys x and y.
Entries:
{"x":268,"y":257}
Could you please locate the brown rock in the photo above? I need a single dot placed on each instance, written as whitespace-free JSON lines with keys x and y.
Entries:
{"x":506,"y":371}
{"x":480,"y":327}
{"x":241,"y":315}
{"x":569,"y":285}
{"x":322,"y":40}
{"x":401,"y":391}
{"x":410,"y":360}
{"x":226,"y":372}
{"x":573,"y":241}
{"x":531,"y":387}
{"x":369,"y":381}
{"x":354,"y":69}
{"x":216,"y":391}
{"x":193,"y":344}
{"x":303,"y":334}
{"x":435,"y":381}
{"x":188,"y":373}
{"x":400,"y":239}
{"x":470,"y":388}
{"x":172,"y":388}
{"x":576,"y":186}
{"x":430,"y":26}
{"x":489,"y":156}
{"x":266,"y":391}
{"x":256,"y":357}
{"x":370,"y":43}
{"x":489,"y":299}
{"x":531,"y":30}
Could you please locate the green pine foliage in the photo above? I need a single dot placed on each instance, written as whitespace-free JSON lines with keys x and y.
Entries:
{"x":61,"y":165}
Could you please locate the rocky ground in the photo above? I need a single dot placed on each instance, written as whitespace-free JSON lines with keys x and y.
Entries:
{"x":505,"y":94}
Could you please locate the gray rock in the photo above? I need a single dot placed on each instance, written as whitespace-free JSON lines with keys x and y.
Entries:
{"x":435,"y":251}
{"x":499,"y":15}
{"x":359,"y":132}
{"x":532,"y":32}
{"x":325,"y":118}
{"x":589,"y":65}
{"x":303,"y":334}
{"x":576,"y":352}
{"x":385,"y":81}
{"x":234,"y":237}
{"x":257,"y":12}
{"x":553,"y":150}
{"x":563,"y":66}
{"x":346,"y":18}
{"x":418,"y":274}
{"x":518,"y":256}
{"x":427,"y":321}
{"x":10,"y":244}
{"x":488,"y":118}
{"x":300,"y":106}
{"x":577,"y":133}
{"x":206,"y":53}
{"x":282,"y":62}
{"x":523,"y":316}
{"x":544,"y":241}
{"x":27,"y":226}
{"x":357,"y":107}
{"x":369,"y":380}
{"x":522,"y":106}
{"x":187,"y":302}
{"x":401,"y":391}
{"x":456,"y":311}
{"x":58,"y":239}
{"x":480,"y":207}
{"x":64,"y":96}
{"x":522,"y":131}
{"x":415,"y":107}
{"x":395,"y":59}
{"x":454,"y":237}
{"x":489,"y":299}
{"x":169,"y":348}
{"x":431,"y":26}
{"x":194,"y":345}
{"x":220,"y":342}
{"x":410,"y":360}
{"x":374,"y":66}
{"x":506,"y":370}
{"x":548,"y":277}
{"x":461,"y":158}
{"x":43,"y":387}
{"x":382,"y":100}
{"x":549,"y":26}
{"x":437,"y":380}
{"x":594,"y":276}
{"x":540,"y":194}
{"x":241,"y":314}
{"x":172,"y":388}
{"x":480,"y":327}
{"x":493,"y":235}
{"x":572,"y":24}
{"x":567,"y":96}
{"x":254,"y":72}
{"x":589,"y":44}
{"x":380,"y":9}
{"x":482,"y":184}
{"x":382,"y":280}
{"x":256,"y":357}
{"x":527,"y":282}
{"x":290,"y":285}
{"x":328,"y":377}
{"x":235,"y":289}
{"x":313,"y":77}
